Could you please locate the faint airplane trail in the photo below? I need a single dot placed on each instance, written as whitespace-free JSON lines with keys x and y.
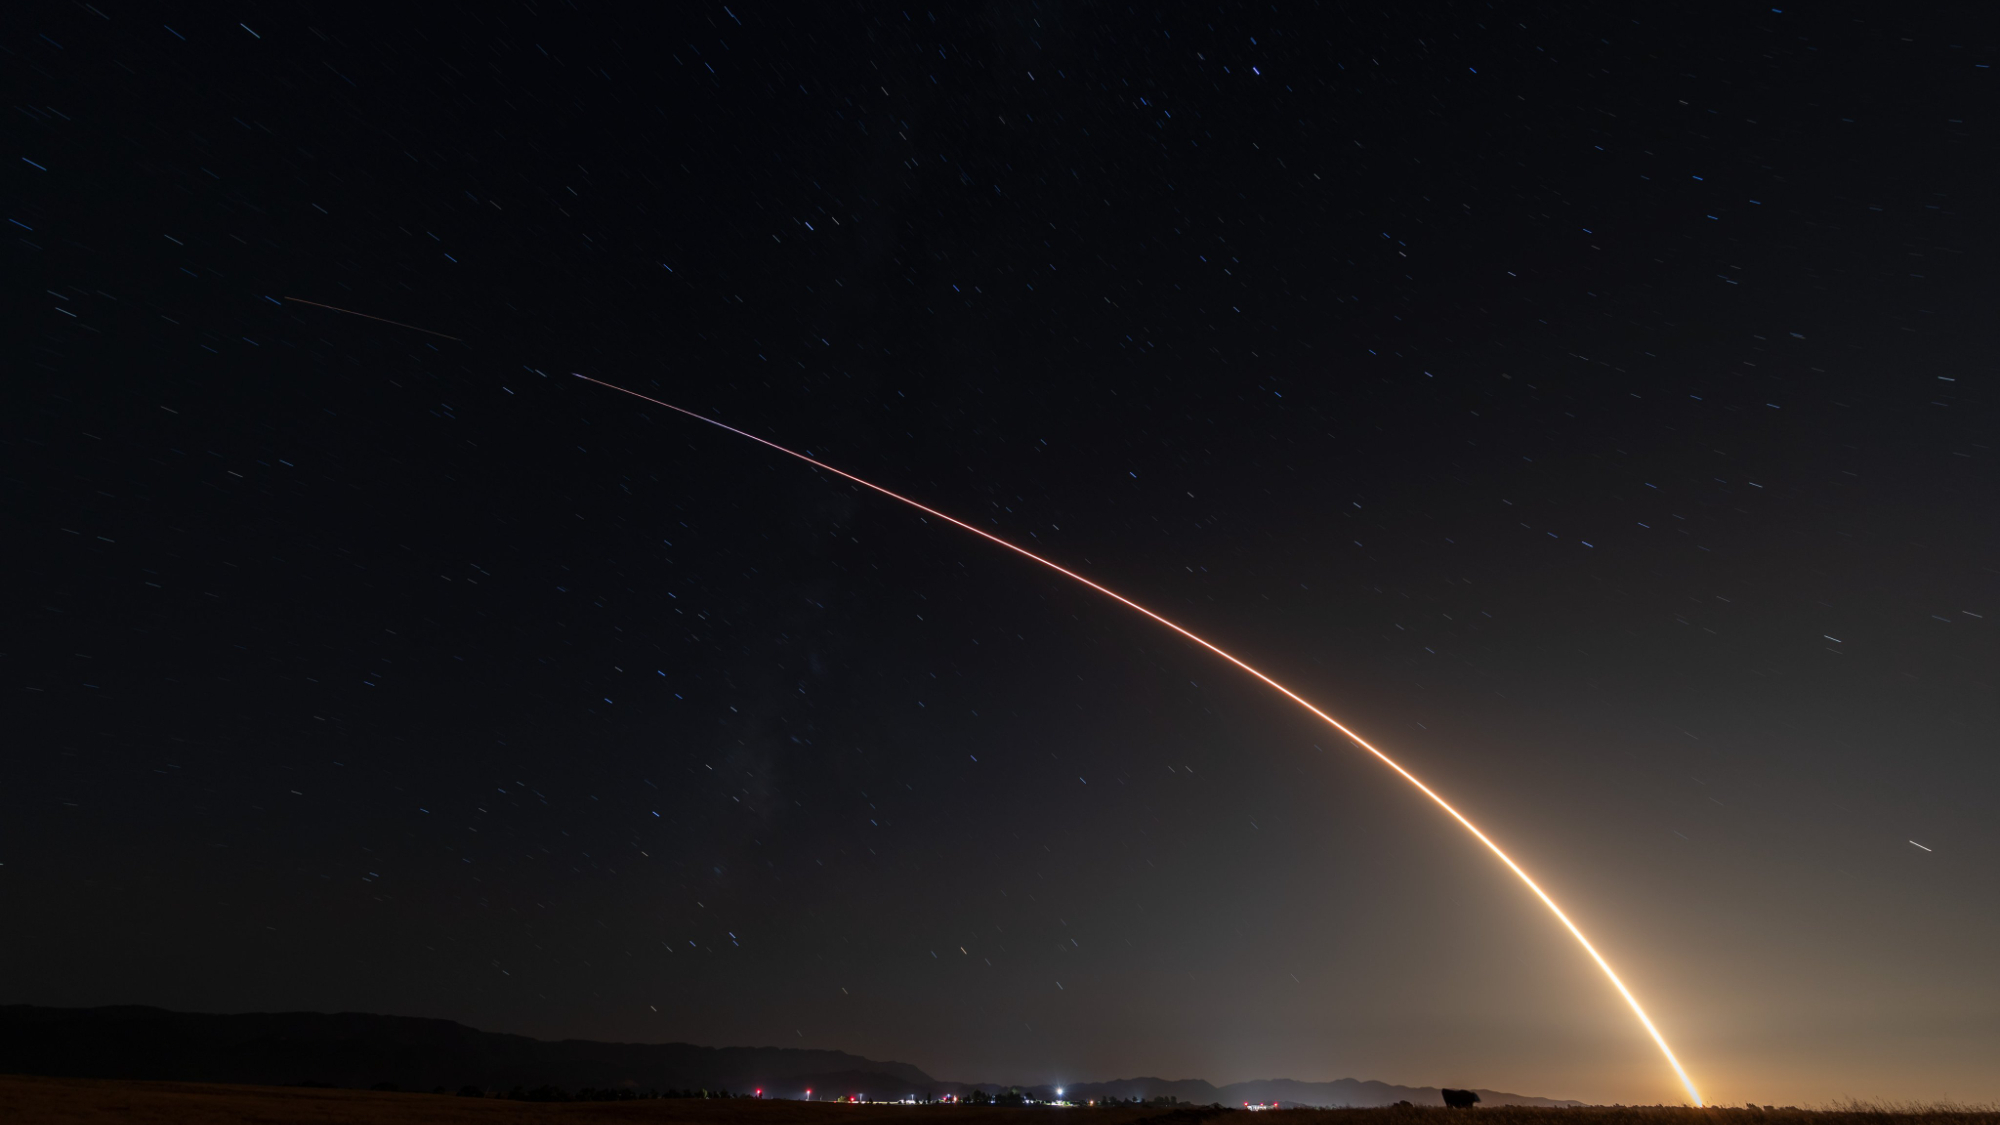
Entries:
{"x":365,"y":316}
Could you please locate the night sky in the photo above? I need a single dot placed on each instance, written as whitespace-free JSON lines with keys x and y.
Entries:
{"x":1596,"y":412}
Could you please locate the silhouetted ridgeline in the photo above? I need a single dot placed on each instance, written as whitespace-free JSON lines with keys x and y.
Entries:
{"x":1285,"y":1091}
{"x":359,"y":1051}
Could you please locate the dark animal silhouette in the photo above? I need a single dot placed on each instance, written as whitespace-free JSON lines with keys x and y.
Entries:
{"x":1460,"y":1099}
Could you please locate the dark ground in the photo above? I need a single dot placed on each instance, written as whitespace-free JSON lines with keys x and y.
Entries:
{"x":38,"y":1100}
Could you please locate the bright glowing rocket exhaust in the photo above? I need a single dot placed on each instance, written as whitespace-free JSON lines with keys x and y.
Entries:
{"x":1281,"y":689}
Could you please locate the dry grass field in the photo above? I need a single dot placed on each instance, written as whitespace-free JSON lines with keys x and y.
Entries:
{"x":81,"y":1101}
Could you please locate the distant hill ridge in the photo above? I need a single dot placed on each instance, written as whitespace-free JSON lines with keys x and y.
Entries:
{"x":1289,"y":1092}
{"x":358,"y":1049}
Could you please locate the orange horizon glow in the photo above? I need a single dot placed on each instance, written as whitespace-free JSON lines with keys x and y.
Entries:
{"x":1288,"y":693}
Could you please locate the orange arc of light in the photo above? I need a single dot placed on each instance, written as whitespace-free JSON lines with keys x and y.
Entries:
{"x":1281,"y":689}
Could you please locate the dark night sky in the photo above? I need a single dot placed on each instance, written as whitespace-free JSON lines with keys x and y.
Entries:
{"x":1596,"y":411}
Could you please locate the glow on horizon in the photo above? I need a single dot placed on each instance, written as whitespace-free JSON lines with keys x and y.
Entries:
{"x":1644,"y":1020}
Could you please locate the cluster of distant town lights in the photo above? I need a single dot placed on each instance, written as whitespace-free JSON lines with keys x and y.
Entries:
{"x":911,"y":1099}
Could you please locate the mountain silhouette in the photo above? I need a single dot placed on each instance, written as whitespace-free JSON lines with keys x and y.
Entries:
{"x":360,"y":1050}
{"x":1283,"y":1091}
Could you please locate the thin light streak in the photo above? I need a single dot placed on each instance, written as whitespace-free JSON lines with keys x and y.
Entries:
{"x":1281,"y":689}
{"x":365,"y":316}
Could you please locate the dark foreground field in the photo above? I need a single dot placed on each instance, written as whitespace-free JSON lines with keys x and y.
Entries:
{"x":88,"y":1101}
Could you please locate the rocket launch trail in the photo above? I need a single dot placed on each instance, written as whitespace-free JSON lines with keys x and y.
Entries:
{"x":1281,"y":689}
{"x":1611,"y":975}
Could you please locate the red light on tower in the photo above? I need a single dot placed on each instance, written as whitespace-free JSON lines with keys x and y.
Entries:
{"x":760,"y":1091}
